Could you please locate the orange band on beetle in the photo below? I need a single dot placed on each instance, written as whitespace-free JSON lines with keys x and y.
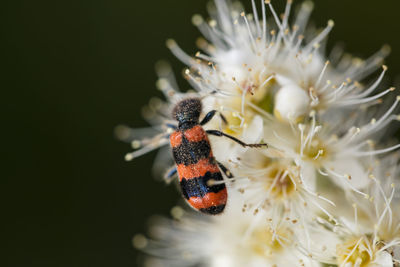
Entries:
{"x":196,"y":134}
{"x":210,"y":199}
{"x":175,"y":138}
{"x":196,"y":170}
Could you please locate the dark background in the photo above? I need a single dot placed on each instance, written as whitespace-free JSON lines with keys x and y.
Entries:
{"x":72,"y":71}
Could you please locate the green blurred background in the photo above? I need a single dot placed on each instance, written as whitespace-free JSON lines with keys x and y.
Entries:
{"x":72,"y":71}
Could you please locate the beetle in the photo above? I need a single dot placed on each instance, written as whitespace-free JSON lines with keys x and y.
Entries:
{"x":199,"y":173}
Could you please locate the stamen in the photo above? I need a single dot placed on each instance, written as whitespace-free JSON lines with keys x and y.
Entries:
{"x":352,"y":251}
{"x":249,"y":31}
{"x":387,"y":205}
{"x":376,"y":152}
{"x":256,"y":17}
{"x":167,"y":82}
{"x":319,"y":37}
{"x":353,"y":101}
{"x":178,"y":52}
{"x":370,"y":64}
{"x":277,"y":21}
{"x":286,"y":14}
{"x":264,"y":34}
{"x":321,"y":74}
{"x":147,"y":146}
{"x":374,"y":85}
{"x":351,"y":134}
{"x":320,"y":152}
{"x":144,"y":150}
{"x":304,"y":14}
{"x":355,"y":215}
{"x":382,"y":119}
{"x":267,"y":80}
{"x":345,"y":179}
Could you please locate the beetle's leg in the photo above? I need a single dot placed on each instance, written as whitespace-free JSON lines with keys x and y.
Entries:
{"x":169,"y":175}
{"x":219,"y":133}
{"x":172,"y":126}
{"x":210,"y":115}
{"x":225,"y":170}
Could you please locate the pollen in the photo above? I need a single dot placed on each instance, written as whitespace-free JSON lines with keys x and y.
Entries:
{"x":356,"y":251}
{"x":280,"y":181}
{"x":267,"y":242}
{"x":315,"y":151}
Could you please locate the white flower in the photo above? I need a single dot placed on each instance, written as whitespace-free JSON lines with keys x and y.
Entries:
{"x":233,"y":239}
{"x":331,"y":149}
{"x":367,"y":232}
{"x":255,"y":68}
{"x":322,"y":192}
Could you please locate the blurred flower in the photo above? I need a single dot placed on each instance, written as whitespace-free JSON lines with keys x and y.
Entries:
{"x":234,"y":239}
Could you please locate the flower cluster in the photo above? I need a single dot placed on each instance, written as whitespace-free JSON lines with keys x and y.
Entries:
{"x":325,"y":191}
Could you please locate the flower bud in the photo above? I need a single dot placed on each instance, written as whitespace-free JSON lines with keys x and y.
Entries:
{"x":291,"y":103}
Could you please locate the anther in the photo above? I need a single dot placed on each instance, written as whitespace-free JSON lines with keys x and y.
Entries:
{"x":128,"y":157}
{"x":139,"y":241}
{"x":211,"y":182}
{"x":197,"y":20}
{"x":135,"y":144}
{"x":370,"y":142}
{"x":177,"y":212}
{"x":170,"y":43}
{"x":386,"y":49}
{"x":212,"y":23}
{"x":162,"y":84}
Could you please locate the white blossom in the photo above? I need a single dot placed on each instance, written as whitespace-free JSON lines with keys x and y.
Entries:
{"x":325,"y":190}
